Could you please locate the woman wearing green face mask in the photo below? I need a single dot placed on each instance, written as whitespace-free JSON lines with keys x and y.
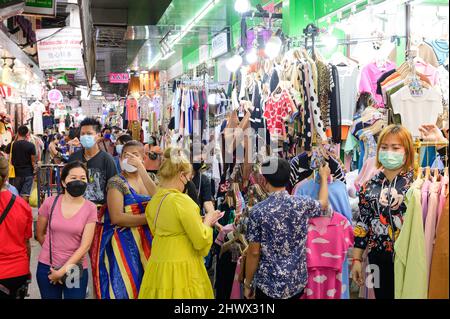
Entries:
{"x":382,"y":206}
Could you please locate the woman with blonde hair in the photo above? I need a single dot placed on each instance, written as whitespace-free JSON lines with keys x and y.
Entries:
{"x":181,"y":239}
{"x":382,"y":207}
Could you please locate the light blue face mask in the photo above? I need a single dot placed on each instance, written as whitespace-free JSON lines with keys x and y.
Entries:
{"x":391,"y":160}
{"x":119,"y":149}
{"x":88,"y":141}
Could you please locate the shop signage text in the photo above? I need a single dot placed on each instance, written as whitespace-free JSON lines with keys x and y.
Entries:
{"x":92,"y":108}
{"x":220,"y":45}
{"x":119,"y":78}
{"x":55,"y":96}
{"x":59,"y":48}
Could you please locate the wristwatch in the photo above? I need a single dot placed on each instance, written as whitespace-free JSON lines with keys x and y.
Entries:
{"x":247,"y":285}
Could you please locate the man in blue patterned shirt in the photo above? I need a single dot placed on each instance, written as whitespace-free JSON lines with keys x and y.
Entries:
{"x":278,"y":226}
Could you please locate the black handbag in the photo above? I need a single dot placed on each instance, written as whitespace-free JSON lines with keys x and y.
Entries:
{"x":8,"y":208}
{"x":79,"y":265}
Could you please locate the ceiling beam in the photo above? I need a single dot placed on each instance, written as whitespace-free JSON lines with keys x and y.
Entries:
{"x":109,"y":17}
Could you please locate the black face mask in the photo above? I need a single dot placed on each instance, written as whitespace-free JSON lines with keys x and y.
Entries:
{"x":76,"y":188}
{"x":191,"y":190}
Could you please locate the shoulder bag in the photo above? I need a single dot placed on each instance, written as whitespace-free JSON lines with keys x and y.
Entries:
{"x":79,"y":265}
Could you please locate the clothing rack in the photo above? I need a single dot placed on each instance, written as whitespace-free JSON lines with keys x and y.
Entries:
{"x":419,"y":144}
{"x":311,"y":32}
{"x":302,"y":41}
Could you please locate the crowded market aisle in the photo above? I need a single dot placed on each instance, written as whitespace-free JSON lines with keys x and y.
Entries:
{"x":296,"y":152}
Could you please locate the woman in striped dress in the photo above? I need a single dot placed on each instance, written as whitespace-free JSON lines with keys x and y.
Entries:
{"x":122,"y":243}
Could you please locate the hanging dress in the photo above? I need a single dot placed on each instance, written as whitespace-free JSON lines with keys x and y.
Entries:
{"x":119,"y":255}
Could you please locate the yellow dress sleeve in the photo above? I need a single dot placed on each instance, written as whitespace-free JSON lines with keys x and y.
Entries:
{"x":200,"y":235}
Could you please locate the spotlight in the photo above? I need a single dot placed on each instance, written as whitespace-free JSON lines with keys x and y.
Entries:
{"x":252,"y":56}
{"x":242,"y":6}
{"x":234,"y":63}
{"x":273,"y":47}
{"x":329,"y":41}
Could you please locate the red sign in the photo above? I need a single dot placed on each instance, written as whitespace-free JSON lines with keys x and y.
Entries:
{"x":120,"y":78}
{"x":5,"y":91}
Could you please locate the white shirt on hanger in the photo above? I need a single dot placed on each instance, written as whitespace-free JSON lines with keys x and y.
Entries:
{"x":416,"y":111}
{"x":38,"y":126}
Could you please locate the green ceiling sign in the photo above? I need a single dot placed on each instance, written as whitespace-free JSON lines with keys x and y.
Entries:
{"x":40,"y":7}
{"x":40,"y":3}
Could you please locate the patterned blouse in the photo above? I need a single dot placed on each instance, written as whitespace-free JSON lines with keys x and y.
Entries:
{"x":378,"y":220}
{"x":280,"y":225}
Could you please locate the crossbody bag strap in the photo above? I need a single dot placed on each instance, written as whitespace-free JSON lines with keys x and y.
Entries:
{"x":11,"y":153}
{"x":50,"y":229}
{"x":8,"y":208}
{"x":159,"y":208}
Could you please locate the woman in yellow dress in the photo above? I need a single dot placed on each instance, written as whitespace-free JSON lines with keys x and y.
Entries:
{"x":176,"y":268}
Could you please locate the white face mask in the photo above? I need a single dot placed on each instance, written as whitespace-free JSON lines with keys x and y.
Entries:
{"x":127,"y":167}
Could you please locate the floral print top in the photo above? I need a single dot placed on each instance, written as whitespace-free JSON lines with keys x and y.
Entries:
{"x":379,"y":223}
{"x":280,"y":225}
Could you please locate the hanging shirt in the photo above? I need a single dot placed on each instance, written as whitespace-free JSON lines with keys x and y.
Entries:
{"x":348,"y":78}
{"x":429,"y":71}
{"x":369,"y":77}
{"x":277,"y":111}
{"x":328,"y":242}
{"x":146,"y":129}
{"x":411,"y":273}
{"x":339,"y":202}
{"x":438,"y":288}
{"x":444,"y":84}
{"x":132,"y":110}
{"x":431,"y":222}
{"x":144,"y":107}
{"x":38,"y":125}
{"x":301,"y":169}
{"x":176,"y":108}
{"x":440,"y":48}
{"x":417,"y":110}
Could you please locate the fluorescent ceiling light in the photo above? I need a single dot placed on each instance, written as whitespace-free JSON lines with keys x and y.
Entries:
{"x":197,"y":18}
{"x":168,"y":55}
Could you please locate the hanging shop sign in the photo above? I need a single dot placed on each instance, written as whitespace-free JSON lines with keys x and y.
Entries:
{"x":40,"y":7}
{"x":60,"y":48}
{"x":220,"y":44}
{"x":5,"y":91}
{"x":119,"y":78}
{"x":55,"y":96}
{"x":92,"y":108}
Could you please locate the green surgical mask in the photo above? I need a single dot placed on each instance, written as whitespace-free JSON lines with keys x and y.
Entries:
{"x":391,"y":160}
